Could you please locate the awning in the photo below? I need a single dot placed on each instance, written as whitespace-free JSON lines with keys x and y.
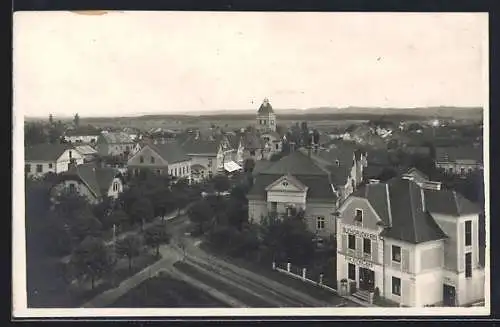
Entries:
{"x":231,"y":166}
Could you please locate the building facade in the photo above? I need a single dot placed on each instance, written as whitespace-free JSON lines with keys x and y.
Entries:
{"x":266,"y":118}
{"x":162,"y":159}
{"x":414,"y":242}
{"x":49,"y":158}
{"x":114,"y":144}
{"x":459,"y":160}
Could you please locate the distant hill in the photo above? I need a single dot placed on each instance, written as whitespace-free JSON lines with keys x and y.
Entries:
{"x":311,"y":113}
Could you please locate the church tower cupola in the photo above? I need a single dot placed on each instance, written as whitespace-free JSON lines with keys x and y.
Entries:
{"x":266,"y":118}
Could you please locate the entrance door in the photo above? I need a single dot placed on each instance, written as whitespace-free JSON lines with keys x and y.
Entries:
{"x":366,"y":279}
{"x":449,"y":295}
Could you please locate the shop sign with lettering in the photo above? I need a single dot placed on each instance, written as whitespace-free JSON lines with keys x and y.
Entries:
{"x":359,"y":233}
{"x":359,"y":262}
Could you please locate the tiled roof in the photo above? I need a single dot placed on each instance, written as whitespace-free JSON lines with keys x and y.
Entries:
{"x":449,"y":202}
{"x":265,"y":108}
{"x":171,"y":152}
{"x":45,"y":151}
{"x":450,"y":154}
{"x":407,"y":215}
{"x":200,"y":146}
{"x":303,"y":169}
{"x":85,"y":149}
{"x":98,"y":179}
{"x":116,"y":138}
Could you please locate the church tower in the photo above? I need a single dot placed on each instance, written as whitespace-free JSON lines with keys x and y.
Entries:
{"x":266,"y":118}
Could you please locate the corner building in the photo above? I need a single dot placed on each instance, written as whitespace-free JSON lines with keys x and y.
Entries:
{"x":415,"y":242}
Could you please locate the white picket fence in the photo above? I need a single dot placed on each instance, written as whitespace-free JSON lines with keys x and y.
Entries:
{"x":303,"y":277}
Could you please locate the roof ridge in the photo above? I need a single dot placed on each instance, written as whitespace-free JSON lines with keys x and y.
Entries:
{"x":457,"y":205}
{"x":412,"y":210}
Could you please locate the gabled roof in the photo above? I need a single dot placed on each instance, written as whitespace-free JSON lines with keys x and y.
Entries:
{"x":289,"y":179}
{"x":85,"y":149}
{"x":200,"y":146}
{"x":450,"y":154}
{"x":97,"y":179}
{"x":171,"y":152}
{"x":265,"y":108}
{"x":45,"y":151}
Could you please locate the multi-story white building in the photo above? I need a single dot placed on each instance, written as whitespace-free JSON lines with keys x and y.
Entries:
{"x":416,"y":243}
{"x":459,"y":160}
{"x":41,"y":159}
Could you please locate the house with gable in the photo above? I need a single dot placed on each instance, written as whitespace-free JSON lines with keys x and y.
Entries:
{"x":162,"y":159}
{"x":303,"y":180}
{"x":417,"y":243}
{"x":90,"y":181}
{"x":114,"y":144}
{"x":41,"y":159}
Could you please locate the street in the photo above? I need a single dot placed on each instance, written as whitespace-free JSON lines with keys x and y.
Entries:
{"x":270,"y":292}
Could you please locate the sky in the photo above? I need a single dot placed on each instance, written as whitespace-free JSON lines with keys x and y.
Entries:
{"x":130,"y":63}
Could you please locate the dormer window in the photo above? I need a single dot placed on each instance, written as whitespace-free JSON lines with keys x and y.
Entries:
{"x":358,"y":217}
{"x":337,"y":163}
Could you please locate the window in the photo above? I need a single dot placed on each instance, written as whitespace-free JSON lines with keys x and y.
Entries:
{"x":468,"y":265}
{"x":462,"y":171}
{"x":72,"y":188}
{"x":183,"y":170}
{"x":70,"y":154}
{"x":468,"y":233}
{"x":39,"y":168}
{"x":450,"y":170}
{"x":115,"y":186}
{"x":141,"y":159}
{"x":337,"y":163}
{"x":351,"y":271}
{"x":469,"y":170}
{"x":175,"y":172}
{"x":272,"y":122}
{"x":50,"y":166}
{"x":396,"y":286}
{"x":367,"y":246}
{"x":277,"y":146}
{"x":252,"y":152}
{"x":351,"y":242}
{"x":27,"y":168}
{"x":359,"y":215}
{"x":274,"y":206}
{"x":158,"y":171}
{"x":152,"y":160}
{"x":396,"y":253}
{"x":320,"y":222}
{"x":209,"y":163}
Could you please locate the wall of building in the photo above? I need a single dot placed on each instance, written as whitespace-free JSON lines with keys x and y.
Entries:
{"x":82,"y":138}
{"x":180,"y":169}
{"x":80,"y":188}
{"x":321,"y":209}
{"x":256,"y":210}
{"x":456,"y":167}
{"x":46,"y":168}
{"x":266,"y":122}
{"x":208,"y":161}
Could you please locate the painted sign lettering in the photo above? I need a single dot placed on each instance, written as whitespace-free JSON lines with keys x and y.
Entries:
{"x":359,"y":233}
{"x":360,"y":262}
{"x":448,"y":281}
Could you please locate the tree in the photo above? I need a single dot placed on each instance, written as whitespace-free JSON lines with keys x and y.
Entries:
{"x":116,"y":217}
{"x":76,"y":120}
{"x":248,"y":165}
{"x":201,"y":213}
{"x":34,"y":133}
{"x":85,"y":224}
{"x":221,"y":183}
{"x":129,"y":247}
{"x":91,"y":259}
{"x":155,"y":236}
{"x":141,"y":210}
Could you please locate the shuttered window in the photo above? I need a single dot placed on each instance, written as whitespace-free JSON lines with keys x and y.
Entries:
{"x":367,"y":246}
{"x":468,"y":265}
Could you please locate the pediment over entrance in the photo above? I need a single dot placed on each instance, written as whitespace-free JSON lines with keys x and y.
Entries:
{"x":287,"y":183}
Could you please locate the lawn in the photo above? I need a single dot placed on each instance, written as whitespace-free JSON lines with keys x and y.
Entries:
{"x":222,"y":287}
{"x":167,"y":292}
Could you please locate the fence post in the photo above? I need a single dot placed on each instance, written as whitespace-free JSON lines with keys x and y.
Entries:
{"x":304,"y":273}
{"x":288,"y":266}
{"x":274,"y":265}
{"x":321,"y":279}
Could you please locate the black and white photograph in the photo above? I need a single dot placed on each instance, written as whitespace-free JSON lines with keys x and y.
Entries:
{"x":250,"y":163}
